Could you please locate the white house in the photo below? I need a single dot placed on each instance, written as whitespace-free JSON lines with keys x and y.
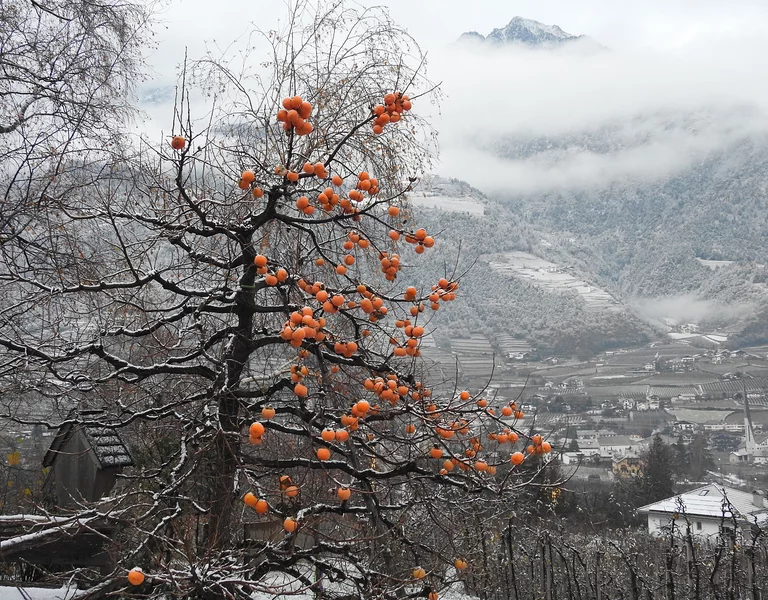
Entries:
{"x":572,"y":458}
{"x":708,"y":509}
{"x":618,"y":445}
{"x":588,"y":447}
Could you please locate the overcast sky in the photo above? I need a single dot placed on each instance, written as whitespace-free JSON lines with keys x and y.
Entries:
{"x":660,"y":24}
{"x":667,"y":57}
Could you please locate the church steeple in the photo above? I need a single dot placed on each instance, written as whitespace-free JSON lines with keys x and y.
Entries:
{"x":749,"y":434}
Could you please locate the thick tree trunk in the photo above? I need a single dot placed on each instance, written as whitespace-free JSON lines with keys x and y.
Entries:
{"x":227,"y":442}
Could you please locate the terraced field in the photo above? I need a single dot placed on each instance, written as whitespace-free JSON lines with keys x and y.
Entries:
{"x":552,"y":277}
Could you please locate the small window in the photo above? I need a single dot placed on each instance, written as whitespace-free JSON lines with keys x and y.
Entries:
{"x":703,"y":492}
{"x":698,"y":525}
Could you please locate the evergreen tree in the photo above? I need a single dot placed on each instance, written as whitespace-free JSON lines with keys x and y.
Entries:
{"x":700,"y":458}
{"x":657,"y":479}
{"x":681,"y":457}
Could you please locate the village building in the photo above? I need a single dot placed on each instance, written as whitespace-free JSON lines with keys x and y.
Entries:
{"x":627,"y":467}
{"x":683,"y":426}
{"x":711,"y":510}
{"x":589,"y":447}
{"x":619,"y":445}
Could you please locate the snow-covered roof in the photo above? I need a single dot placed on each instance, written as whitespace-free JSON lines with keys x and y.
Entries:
{"x":711,"y":500}
{"x":617,"y":440}
{"x":104,"y":440}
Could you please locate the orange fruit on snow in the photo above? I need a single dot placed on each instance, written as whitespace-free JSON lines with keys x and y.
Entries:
{"x":178,"y":142}
{"x":323,"y":453}
{"x":517,"y":458}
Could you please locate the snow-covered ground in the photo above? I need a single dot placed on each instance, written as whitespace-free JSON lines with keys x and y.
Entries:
{"x":715,"y":339}
{"x":551,"y":276}
{"x":450,"y":204}
{"x":283,"y":587}
{"x":714,"y":264}
{"x":36,"y":593}
{"x":276,"y":586}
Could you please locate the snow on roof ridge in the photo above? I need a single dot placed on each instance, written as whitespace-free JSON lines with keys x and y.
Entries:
{"x":694,"y":503}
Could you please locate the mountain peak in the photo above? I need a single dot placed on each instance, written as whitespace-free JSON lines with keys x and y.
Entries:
{"x":525,"y":31}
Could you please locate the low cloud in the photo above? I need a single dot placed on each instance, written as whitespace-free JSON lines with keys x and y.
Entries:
{"x":663,"y":111}
{"x":689,"y":308}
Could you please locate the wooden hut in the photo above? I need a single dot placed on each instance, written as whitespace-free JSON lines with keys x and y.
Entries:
{"x":85,"y":458}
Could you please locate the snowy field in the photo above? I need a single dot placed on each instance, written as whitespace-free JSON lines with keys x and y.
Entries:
{"x":449,"y":204}
{"x":551,"y":276}
{"x":715,"y":339}
{"x":714,"y":264}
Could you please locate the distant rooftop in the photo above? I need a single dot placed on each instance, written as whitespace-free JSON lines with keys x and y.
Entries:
{"x":711,"y":500}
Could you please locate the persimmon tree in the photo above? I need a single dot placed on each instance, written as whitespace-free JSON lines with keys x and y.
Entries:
{"x":237,"y":301}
